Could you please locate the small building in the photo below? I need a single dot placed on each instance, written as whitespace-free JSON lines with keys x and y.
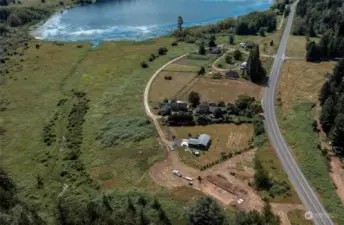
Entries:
{"x":165,"y":110}
{"x":232,"y":74}
{"x":242,"y":44}
{"x":202,"y":142}
{"x":216,"y":51}
{"x":179,"y":106}
{"x":243,"y":66}
{"x":250,"y":45}
{"x":202,"y":109}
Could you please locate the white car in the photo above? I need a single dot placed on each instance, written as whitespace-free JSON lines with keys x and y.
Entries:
{"x":177,"y":173}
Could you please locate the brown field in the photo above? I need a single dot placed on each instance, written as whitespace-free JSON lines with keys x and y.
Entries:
{"x":162,"y":88}
{"x":297,"y":46}
{"x":301,"y":80}
{"x":212,"y":90}
{"x":225,"y":138}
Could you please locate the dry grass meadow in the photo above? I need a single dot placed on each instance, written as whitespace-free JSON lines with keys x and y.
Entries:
{"x":223,"y":90}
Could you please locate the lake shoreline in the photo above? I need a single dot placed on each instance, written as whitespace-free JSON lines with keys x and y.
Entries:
{"x":63,"y":28}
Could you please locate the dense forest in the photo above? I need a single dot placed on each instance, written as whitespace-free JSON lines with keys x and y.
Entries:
{"x":130,"y":207}
{"x":324,"y":19}
{"x":332,"y":100}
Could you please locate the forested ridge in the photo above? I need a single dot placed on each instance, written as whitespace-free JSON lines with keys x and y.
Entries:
{"x":324,"y":19}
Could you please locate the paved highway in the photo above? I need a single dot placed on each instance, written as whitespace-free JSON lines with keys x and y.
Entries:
{"x":309,"y":198}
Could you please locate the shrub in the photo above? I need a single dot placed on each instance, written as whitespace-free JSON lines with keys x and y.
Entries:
{"x":216,"y":76}
{"x":237,"y":54}
{"x":174,"y":43}
{"x":220,"y":65}
{"x":229,"y":59}
{"x":144,"y":64}
{"x":162,"y":51}
{"x":119,"y":129}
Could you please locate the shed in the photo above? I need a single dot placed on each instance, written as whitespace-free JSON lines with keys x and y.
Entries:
{"x":179,"y":106}
{"x":215,"y":51}
{"x":250,"y":45}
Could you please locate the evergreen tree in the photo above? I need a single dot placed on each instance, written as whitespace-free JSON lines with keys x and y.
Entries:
{"x":212,"y":42}
{"x":311,"y":31}
{"x":338,"y":131}
{"x":205,"y":211}
{"x":339,"y":108}
{"x":327,"y":115}
{"x":201,"y":71}
{"x":201,"y":49}
{"x":194,"y":98}
{"x":325,"y":91}
{"x":231,"y":39}
{"x":338,"y":72}
{"x":254,"y":67}
{"x":180,"y":23}
{"x":312,"y":51}
{"x":262,"y":32}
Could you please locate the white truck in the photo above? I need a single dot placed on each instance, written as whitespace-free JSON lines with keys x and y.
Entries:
{"x":177,"y":173}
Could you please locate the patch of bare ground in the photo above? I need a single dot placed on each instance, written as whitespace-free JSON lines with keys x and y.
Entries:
{"x":337,"y":175}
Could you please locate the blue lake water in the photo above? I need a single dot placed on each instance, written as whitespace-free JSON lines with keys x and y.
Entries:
{"x":139,"y":19}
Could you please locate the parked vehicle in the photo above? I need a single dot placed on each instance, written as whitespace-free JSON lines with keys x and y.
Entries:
{"x":177,"y":173}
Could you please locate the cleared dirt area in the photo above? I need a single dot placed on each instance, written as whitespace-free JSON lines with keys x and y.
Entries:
{"x":301,"y":80}
{"x":225,"y":138}
{"x":162,"y":88}
{"x":225,"y":90}
{"x":337,"y":175}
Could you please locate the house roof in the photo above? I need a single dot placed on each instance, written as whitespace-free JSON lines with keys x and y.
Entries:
{"x":204,"y":139}
{"x":213,"y":108}
{"x":202,"y":108}
{"x":193,"y":141}
{"x":250,"y":44}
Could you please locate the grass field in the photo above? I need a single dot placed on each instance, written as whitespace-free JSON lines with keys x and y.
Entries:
{"x":225,"y":138}
{"x":162,"y":88}
{"x":113,"y":80}
{"x":272,"y":165}
{"x":297,"y":217}
{"x":297,"y":46}
{"x":298,"y":91}
{"x":301,"y":80}
{"x":181,"y":68}
{"x":235,"y":65}
{"x":225,"y":90}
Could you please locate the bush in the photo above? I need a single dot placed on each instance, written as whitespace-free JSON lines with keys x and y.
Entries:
{"x":119,"y":129}
{"x":162,"y":51}
{"x":216,"y":76}
{"x":237,"y":54}
{"x":144,"y":64}
{"x":229,"y":59}
{"x":174,"y":43}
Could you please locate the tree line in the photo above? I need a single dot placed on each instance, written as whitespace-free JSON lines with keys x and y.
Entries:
{"x":249,"y":24}
{"x":317,"y":18}
{"x":331,"y":98}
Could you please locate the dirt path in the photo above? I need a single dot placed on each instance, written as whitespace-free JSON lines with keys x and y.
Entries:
{"x":337,"y":175}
